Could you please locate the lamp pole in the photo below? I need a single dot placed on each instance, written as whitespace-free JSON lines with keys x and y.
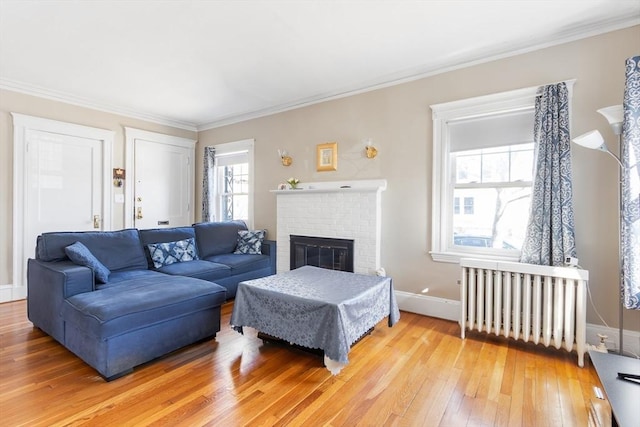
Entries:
{"x":594,"y":140}
{"x":617,"y":129}
{"x":620,"y":251}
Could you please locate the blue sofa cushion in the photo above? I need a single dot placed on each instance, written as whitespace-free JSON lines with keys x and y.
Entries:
{"x":199,"y":269}
{"x":215,"y":238}
{"x":120,"y":276}
{"x":147,"y":301}
{"x":163,"y":254}
{"x":250,"y":242}
{"x":163,"y":235}
{"x":117,"y":250}
{"x":80,"y":255}
{"x":242,"y":263}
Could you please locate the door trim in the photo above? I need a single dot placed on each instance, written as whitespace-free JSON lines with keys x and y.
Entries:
{"x":21,"y":124}
{"x":131,"y":135}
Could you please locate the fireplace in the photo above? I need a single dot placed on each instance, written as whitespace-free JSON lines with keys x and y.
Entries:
{"x":329,"y":253}
{"x":334,"y":210}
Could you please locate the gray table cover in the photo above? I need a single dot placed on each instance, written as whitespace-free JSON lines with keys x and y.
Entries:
{"x":315,"y":307}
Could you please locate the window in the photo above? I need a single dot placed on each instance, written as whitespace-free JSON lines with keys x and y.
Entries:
{"x":495,"y":186}
{"x":234,"y":194}
{"x":468,"y":205}
{"x":483,"y":157}
{"x":233,"y":178}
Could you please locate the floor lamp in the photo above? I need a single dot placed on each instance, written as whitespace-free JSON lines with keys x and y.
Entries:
{"x":595,"y":141}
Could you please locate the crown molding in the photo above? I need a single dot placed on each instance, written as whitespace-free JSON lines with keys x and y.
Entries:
{"x":569,"y":35}
{"x":68,"y":98}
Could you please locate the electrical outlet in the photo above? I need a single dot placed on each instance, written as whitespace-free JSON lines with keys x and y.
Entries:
{"x":571,"y":261}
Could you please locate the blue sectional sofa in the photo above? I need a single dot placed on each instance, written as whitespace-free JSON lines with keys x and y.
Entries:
{"x":121,"y":298}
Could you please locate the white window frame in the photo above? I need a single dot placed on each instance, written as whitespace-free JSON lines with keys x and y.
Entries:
{"x":231,"y":147}
{"x":442,"y":248}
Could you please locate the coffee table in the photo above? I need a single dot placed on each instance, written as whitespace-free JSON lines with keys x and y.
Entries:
{"x":316,"y":308}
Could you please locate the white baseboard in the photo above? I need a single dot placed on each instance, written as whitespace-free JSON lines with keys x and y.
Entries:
{"x":450,"y":310}
{"x":12,"y":293}
{"x":631,"y":339}
{"x":429,"y":306}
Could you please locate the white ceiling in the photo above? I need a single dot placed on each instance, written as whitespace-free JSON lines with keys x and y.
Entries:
{"x":201,"y":64}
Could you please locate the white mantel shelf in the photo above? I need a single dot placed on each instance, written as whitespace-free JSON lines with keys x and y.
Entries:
{"x":362,"y":186}
{"x":327,"y":190}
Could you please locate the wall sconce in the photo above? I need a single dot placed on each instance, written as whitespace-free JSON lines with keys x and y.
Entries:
{"x":118,"y":177}
{"x":370,"y":151}
{"x":285,"y":158}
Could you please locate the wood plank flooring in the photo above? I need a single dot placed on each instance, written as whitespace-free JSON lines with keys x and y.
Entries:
{"x":418,"y":373}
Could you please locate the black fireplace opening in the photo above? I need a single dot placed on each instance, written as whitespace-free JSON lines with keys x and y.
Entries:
{"x":329,"y":253}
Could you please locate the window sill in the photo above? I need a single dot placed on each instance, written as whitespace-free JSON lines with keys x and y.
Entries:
{"x":454,"y":257}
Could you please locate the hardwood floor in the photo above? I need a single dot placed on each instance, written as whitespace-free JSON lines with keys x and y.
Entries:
{"x":418,"y":373}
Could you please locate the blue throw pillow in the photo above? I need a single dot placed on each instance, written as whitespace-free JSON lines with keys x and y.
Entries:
{"x":81,"y":255}
{"x":250,"y":242}
{"x":163,"y":254}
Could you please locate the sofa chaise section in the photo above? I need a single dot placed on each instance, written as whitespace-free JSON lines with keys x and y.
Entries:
{"x":159,"y":314}
{"x":136,"y":316}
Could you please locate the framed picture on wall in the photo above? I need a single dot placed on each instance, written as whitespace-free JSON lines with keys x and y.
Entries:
{"x":327,"y":157}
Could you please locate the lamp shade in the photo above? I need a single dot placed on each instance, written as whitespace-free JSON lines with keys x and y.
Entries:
{"x":592,"y":140}
{"x":615,"y":117}
{"x":613,"y":114}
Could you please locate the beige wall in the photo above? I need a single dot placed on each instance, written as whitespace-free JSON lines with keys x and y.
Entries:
{"x":398,"y":119}
{"x":39,"y":107}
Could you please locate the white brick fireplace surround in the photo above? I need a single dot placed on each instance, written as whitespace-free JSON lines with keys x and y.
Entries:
{"x":340,"y":210}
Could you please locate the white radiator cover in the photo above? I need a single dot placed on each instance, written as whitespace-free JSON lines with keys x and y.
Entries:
{"x":534,"y":303}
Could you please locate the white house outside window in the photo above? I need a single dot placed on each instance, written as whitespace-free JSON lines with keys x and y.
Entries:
{"x":482,"y":175}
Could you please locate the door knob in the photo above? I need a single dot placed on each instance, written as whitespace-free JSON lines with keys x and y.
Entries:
{"x":96,"y":221}
{"x":139,"y":212}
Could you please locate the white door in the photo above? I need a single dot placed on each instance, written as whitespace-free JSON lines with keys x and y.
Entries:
{"x":62,"y":184}
{"x":162,"y":185}
{"x":163,"y":176}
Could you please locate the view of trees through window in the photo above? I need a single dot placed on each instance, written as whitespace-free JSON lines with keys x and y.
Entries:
{"x":234,"y":197}
{"x":491,"y":195}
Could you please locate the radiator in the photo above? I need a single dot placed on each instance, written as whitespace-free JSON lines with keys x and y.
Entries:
{"x":534,"y":303}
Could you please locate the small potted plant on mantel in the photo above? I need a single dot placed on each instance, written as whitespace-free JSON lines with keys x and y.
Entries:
{"x":293,"y":183}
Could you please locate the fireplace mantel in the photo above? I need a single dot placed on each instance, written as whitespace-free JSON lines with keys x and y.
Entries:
{"x":369,"y":185}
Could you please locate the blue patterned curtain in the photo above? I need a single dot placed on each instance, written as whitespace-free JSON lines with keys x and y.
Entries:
{"x":630,"y":158}
{"x":550,"y":235}
{"x":208,"y":177}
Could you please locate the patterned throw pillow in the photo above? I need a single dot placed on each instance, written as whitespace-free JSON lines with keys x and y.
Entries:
{"x":163,"y":254}
{"x":81,"y":255}
{"x":250,"y":242}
